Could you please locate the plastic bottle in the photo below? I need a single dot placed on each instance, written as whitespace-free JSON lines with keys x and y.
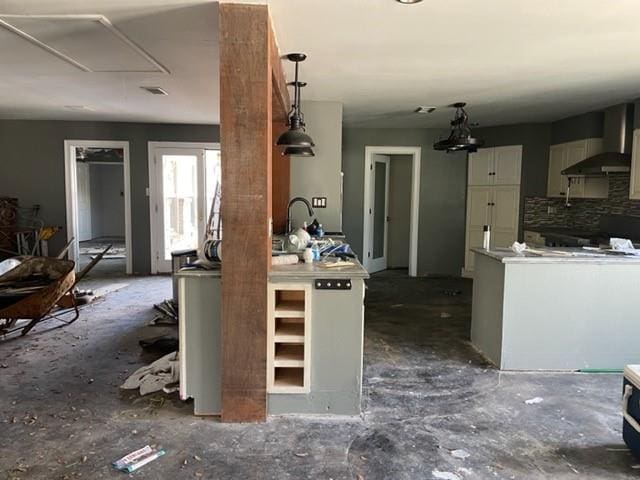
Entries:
{"x":486,"y":237}
{"x":320,"y":231}
{"x":315,"y":248}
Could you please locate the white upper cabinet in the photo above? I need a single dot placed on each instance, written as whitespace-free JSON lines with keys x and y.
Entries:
{"x":481,"y":167}
{"x":495,"y":166}
{"x":507,"y":165}
{"x":634,"y":187}
{"x":564,"y":155}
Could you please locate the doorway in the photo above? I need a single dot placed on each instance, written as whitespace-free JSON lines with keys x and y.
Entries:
{"x":97,"y":186}
{"x":383,"y":237}
{"x":183,"y":180}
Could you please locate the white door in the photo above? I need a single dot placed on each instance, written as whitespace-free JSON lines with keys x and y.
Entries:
{"x":480,"y":165}
{"x":84,"y":201}
{"x":379,"y":212}
{"x":505,"y":208}
{"x":180,"y":204}
{"x":478,"y":215}
{"x":507,"y":165}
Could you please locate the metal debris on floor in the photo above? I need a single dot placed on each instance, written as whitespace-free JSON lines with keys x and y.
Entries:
{"x":133,"y":461}
{"x":161,"y":374}
{"x":168,"y":313}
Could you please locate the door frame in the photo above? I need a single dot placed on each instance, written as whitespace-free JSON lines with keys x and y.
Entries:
{"x":152,"y":148}
{"x":71,"y":195}
{"x":367,"y":243}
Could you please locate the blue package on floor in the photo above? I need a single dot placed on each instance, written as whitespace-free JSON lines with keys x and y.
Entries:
{"x":631,"y":408}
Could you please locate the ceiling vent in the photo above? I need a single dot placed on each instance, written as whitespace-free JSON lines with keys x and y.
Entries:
{"x":155,"y":90}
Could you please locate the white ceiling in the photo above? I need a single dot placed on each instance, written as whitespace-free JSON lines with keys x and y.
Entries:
{"x":510,"y":60}
{"x":181,"y":35}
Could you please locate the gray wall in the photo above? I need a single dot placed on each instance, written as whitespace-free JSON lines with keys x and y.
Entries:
{"x":107,"y":200}
{"x":442,"y":195}
{"x":535,"y":139}
{"x":320,"y":176}
{"x":399,"y":211}
{"x":32,"y":167}
{"x":578,"y":127}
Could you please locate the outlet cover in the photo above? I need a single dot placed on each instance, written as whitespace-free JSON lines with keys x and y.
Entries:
{"x":319,"y":202}
{"x":552,"y":210}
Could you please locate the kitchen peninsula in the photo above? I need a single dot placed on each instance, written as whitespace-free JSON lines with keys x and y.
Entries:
{"x":567,"y":312}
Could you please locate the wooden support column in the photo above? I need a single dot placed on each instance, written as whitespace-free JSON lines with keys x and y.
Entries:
{"x":248,"y":64}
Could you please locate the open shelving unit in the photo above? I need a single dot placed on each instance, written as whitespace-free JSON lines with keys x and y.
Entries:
{"x":289,"y":333}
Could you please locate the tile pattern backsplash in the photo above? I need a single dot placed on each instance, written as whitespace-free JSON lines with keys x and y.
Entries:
{"x":584,"y":213}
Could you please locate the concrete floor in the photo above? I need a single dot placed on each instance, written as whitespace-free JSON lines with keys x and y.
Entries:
{"x":427,"y":393}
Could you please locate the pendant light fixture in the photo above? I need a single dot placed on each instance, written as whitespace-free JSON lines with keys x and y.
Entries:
{"x":296,"y":136}
{"x":460,"y":138}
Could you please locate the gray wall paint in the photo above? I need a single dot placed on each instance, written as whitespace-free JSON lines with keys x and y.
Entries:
{"x":442,"y":195}
{"x":535,"y":139}
{"x":399,"y":211}
{"x":585,"y":125}
{"x":320,"y":176}
{"x":32,"y":167}
{"x":107,"y":200}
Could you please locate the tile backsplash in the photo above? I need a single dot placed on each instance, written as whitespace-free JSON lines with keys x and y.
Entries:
{"x":584,"y":213}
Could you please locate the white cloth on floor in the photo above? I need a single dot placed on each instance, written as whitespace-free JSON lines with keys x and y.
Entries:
{"x":155,"y":376}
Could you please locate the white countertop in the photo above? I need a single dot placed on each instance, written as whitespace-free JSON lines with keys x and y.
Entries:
{"x":317,"y":270}
{"x":557,"y":255}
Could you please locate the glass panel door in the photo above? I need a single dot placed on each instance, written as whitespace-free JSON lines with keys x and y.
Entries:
{"x":187,"y":181}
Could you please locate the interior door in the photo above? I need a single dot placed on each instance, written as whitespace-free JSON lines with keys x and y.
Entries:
{"x":185,"y":178}
{"x":379,"y":212}
{"x":480,"y":164}
{"x":505,"y":208}
{"x":478,"y":215}
{"x":84,"y":201}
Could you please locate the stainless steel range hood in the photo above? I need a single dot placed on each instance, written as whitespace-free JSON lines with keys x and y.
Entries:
{"x":617,"y":138}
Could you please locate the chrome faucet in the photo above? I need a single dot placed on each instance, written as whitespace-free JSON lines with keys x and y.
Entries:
{"x":291,"y":202}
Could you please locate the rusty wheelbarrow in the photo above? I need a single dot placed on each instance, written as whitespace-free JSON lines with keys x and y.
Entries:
{"x":32,"y":290}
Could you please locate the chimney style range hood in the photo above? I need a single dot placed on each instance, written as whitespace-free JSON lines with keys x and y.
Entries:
{"x":617,"y":139}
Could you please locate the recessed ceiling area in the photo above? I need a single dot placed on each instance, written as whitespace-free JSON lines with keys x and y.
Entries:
{"x":511,"y":61}
{"x":96,"y":54}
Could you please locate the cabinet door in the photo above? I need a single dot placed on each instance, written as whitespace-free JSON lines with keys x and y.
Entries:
{"x":505,"y":208}
{"x":576,"y":152}
{"x":555,"y":185}
{"x":634,"y":187}
{"x":480,"y":165}
{"x":507,"y":165}
{"x":478,"y":215}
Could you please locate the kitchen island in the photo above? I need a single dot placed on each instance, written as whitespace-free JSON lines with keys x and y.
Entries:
{"x":315,"y":338}
{"x":568,"y":311}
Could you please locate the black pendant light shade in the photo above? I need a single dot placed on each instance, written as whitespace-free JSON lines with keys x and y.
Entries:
{"x":299,"y":151}
{"x":296,"y":136}
{"x":460,"y":138}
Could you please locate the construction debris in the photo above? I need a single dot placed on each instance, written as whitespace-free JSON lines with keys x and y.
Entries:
{"x":169,"y":313}
{"x":162,"y":373}
{"x":533,"y":401}
{"x":133,"y":461}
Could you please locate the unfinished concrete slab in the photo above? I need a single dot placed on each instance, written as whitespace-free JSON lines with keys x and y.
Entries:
{"x":434,"y":409}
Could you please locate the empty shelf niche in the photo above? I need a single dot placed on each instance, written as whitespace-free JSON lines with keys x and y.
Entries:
{"x":289,"y":355}
{"x":289,"y":303}
{"x":289,"y":330}
{"x":288,"y":378}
